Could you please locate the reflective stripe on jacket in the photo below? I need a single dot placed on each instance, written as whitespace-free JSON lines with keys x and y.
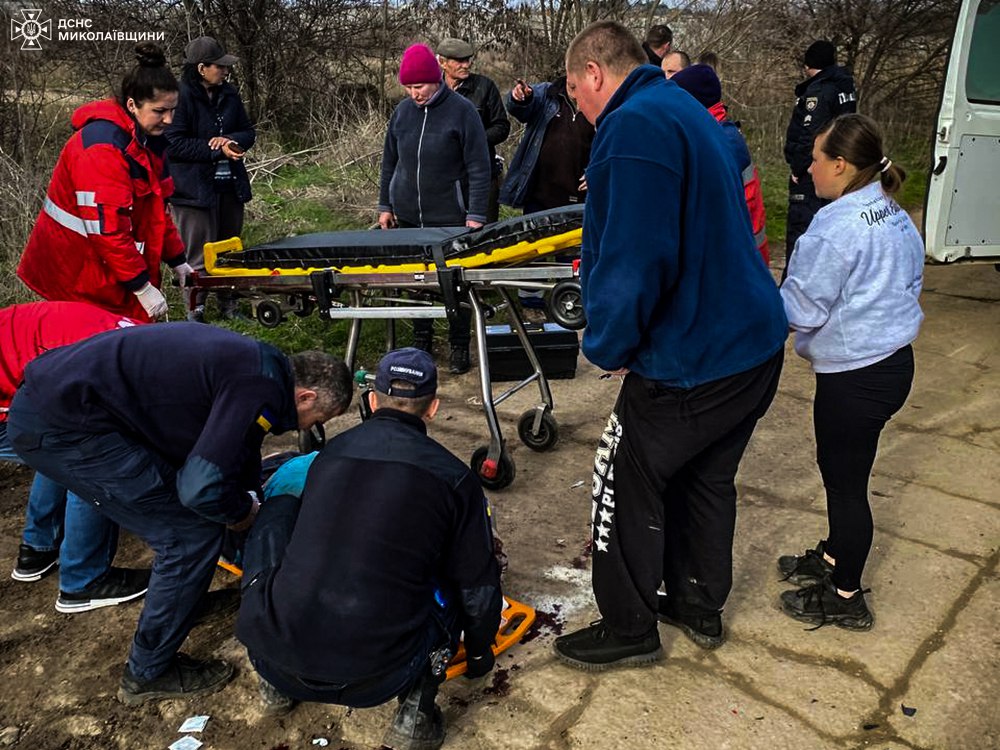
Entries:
{"x":104,"y":227}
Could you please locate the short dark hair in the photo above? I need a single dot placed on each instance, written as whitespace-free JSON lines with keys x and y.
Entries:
{"x":149,"y":76}
{"x":327,"y":375}
{"x":659,"y":35}
{"x":418,"y":405}
{"x":608,"y":43}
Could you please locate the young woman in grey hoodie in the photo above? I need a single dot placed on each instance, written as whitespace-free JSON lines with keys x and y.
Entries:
{"x":851,"y":297}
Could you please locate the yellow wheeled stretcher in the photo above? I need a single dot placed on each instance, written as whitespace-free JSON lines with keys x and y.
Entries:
{"x":421,"y":273}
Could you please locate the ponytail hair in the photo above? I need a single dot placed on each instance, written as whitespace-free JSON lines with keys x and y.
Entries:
{"x":149,"y":77}
{"x":858,"y":140}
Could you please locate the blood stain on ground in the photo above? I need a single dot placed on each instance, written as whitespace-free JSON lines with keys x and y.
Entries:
{"x":545,"y":622}
{"x":501,"y":684}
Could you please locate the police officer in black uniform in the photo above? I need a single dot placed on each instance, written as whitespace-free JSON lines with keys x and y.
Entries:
{"x":827,"y":92}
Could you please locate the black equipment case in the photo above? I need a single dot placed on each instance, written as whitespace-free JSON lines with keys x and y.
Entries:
{"x":555,"y":347}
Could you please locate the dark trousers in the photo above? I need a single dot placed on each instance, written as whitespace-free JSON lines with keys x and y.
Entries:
{"x":665,"y":496}
{"x":136,"y":489}
{"x":849,"y":412}
{"x":803,"y":204}
{"x":264,"y":551}
{"x":197,"y":226}
{"x":459,"y":330}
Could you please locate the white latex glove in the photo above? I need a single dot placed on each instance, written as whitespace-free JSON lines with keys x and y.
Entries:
{"x":183,"y":271}
{"x":152,"y":301}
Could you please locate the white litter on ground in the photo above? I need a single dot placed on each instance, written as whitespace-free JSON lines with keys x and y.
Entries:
{"x":186,"y":743}
{"x":194,"y":724}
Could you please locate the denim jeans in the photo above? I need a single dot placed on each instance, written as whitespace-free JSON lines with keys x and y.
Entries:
{"x":137,"y":489}
{"x":57,"y":519}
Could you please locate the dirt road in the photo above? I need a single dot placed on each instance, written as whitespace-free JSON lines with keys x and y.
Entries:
{"x":933,"y":575}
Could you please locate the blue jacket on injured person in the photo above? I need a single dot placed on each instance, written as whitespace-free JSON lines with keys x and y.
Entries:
{"x":666,"y":312}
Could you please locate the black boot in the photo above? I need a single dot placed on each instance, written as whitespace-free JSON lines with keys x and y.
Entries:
{"x":418,"y":724}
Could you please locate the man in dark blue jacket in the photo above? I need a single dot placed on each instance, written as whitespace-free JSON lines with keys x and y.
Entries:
{"x":678,"y":304}
{"x":357,"y":592}
{"x":826,"y":92}
{"x":160,"y":427}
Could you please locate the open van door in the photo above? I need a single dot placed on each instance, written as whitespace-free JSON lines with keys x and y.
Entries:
{"x":962,"y":215}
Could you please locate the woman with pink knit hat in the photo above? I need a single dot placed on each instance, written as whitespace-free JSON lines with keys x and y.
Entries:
{"x":435,"y":171}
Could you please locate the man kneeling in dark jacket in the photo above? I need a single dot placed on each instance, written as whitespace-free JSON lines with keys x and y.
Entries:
{"x":358,"y":592}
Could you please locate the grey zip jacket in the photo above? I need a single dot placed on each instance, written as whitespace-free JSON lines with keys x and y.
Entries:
{"x":435,"y":165}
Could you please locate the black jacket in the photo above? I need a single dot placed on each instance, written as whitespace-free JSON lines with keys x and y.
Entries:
{"x":192,"y":162}
{"x":821,"y":98}
{"x":191,"y":393}
{"x":388,"y":515}
{"x":485,"y":97}
{"x":435,"y":164}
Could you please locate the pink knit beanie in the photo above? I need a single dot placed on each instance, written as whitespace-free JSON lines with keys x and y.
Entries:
{"x":419,"y":65}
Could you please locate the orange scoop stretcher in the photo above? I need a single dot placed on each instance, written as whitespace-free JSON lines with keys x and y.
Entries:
{"x":515,"y":620}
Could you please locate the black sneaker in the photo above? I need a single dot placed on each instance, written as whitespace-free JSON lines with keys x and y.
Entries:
{"x":117,"y":586}
{"x":597,"y":647}
{"x":704,"y":629}
{"x":806,"y":569}
{"x":33,"y":564}
{"x":459,"y":361}
{"x":820,"y":604}
{"x":413,"y":729}
{"x":275,"y":702}
{"x":184,"y":677}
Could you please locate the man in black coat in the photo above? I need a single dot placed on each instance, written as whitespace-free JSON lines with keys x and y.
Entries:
{"x":357,"y":592}
{"x":455,"y":57}
{"x":827,"y":92}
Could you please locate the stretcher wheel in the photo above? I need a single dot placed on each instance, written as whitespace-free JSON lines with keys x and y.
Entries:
{"x":312,"y":439}
{"x":497,"y":476}
{"x":548,"y":431}
{"x":269,"y":313}
{"x":566,"y":305}
{"x":305,"y":308}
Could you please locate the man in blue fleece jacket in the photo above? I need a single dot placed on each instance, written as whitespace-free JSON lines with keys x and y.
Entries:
{"x":678,"y":304}
{"x":160,"y":428}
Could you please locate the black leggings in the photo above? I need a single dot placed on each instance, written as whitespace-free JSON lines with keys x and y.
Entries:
{"x":850,"y":410}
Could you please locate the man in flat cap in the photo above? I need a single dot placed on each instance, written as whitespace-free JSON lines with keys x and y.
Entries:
{"x":455,"y":56}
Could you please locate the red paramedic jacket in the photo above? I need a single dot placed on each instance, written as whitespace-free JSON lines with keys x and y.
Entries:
{"x":754,"y":195}
{"x":27,"y":331}
{"x":104,"y":228}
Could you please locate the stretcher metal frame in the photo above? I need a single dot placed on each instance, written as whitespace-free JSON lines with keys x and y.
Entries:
{"x":434,"y":289}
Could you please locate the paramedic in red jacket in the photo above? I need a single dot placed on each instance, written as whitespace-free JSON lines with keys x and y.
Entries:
{"x":703,"y":84}
{"x":104,"y":226}
{"x":60,"y":528}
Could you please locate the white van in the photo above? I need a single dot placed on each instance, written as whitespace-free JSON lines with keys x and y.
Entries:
{"x":962,"y":213}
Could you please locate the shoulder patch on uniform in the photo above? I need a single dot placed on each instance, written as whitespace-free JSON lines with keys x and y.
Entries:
{"x":96,"y":132}
{"x":811,"y":102}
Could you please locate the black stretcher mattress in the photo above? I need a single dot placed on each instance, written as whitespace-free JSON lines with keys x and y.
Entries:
{"x":397,"y":246}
